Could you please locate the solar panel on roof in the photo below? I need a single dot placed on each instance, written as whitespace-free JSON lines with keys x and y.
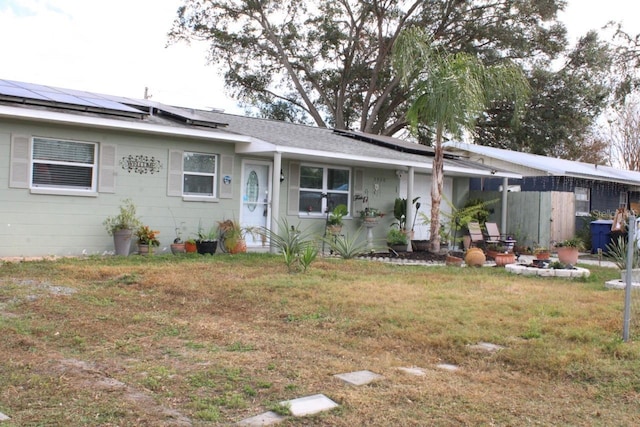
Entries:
{"x":63,"y":98}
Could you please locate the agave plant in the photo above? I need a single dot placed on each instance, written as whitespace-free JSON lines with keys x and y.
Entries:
{"x":617,"y":251}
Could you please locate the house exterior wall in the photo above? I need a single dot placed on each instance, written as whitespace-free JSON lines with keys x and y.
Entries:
{"x":63,"y":225}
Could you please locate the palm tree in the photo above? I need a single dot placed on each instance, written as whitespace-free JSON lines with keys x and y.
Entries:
{"x":449,"y":92}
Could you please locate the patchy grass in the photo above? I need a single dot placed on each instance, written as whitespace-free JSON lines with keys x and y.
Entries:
{"x":211,"y":340}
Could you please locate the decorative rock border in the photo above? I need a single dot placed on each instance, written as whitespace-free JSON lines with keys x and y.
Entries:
{"x":619,"y":284}
{"x":546,"y":272}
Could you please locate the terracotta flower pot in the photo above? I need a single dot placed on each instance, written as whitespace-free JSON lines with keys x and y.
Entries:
{"x":453,"y":261}
{"x":568,"y":255}
{"x":503,"y":259}
{"x":190,"y":247}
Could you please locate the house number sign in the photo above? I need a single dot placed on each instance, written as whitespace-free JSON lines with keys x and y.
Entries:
{"x":141,"y":164}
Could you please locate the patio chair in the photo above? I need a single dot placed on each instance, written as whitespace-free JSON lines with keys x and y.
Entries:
{"x":477,"y":238}
{"x":494,"y":236}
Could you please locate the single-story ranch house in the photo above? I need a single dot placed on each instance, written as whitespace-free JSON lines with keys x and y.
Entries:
{"x":70,"y":158}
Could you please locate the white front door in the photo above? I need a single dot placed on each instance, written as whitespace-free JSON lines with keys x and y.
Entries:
{"x":256,"y":191}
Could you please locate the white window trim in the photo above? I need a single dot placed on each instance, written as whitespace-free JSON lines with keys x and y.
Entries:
{"x":60,"y":191}
{"x":192,"y":197}
{"x":587,"y":192}
{"x":324,"y":190}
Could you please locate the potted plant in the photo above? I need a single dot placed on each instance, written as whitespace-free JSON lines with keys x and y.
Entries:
{"x":541,"y":253}
{"x":190,"y":246}
{"x":232,"y":236}
{"x":178,"y":246}
{"x":400,"y":212}
{"x":371,"y":215}
{"x":568,"y":250}
{"x":397,"y":240}
{"x":147,"y":239}
{"x":207,"y":241}
{"x":121,"y":227}
{"x":334,"y":221}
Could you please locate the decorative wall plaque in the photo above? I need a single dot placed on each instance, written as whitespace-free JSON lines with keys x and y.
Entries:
{"x":141,"y":164}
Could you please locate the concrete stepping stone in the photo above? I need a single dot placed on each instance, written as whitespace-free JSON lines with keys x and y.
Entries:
{"x":447,"y":367}
{"x":3,"y":417}
{"x":309,"y":405}
{"x":413,"y":371}
{"x":486,"y":346}
{"x":358,"y":378}
{"x":264,"y":419}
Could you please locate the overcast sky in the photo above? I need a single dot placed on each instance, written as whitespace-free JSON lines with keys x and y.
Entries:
{"x":118,"y":47}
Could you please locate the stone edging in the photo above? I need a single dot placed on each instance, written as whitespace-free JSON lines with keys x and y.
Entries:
{"x":546,"y":272}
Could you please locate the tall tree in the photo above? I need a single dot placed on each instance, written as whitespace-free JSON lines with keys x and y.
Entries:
{"x":563,"y":107}
{"x":328,"y":62}
{"x":623,"y":134}
{"x":449,"y":92}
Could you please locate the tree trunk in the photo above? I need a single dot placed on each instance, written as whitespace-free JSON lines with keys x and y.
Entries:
{"x":436,"y":191}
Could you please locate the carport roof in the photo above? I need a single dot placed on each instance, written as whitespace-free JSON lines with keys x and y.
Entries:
{"x":552,"y":166}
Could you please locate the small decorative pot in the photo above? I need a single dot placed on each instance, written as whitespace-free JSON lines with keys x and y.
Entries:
{"x":190,"y":247}
{"x":475,"y":257}
{"x":545,"y":255}
{"x":144,"y":249}
{"x":178,"y":248}
{"x":453,"y":261}
{"x":334,"y":229}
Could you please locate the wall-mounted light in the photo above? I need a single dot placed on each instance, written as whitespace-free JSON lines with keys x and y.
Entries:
{"x":281,"y":175}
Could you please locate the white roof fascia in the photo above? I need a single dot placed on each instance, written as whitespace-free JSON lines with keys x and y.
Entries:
{"x":107,"y":123}
{"x":259,"y":146}
{"x":550,"y":165}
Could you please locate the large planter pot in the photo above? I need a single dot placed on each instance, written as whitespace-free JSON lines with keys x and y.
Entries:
{"x":568,"y":255}
{"x":475,"y":257}
{"x":122,"y":241}
{"x":420,"y":245}
{"x":503,"y":259}
{"x":206,"y":246}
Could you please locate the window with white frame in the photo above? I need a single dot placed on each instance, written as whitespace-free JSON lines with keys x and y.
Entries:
{"x":624,"y":199}
{"x":322,"y":188}
{"x":199,"y":174}
{"x":63,"y":165}
{"x":582,"y":201}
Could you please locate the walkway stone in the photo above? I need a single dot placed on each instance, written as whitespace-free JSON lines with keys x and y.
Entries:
{"x":413,"y":371}
{"x":309,"y":405}
{"x":264,"y":419}
{"x":448,"y":367}
{"x":3,"y":417}
{"x":486,"y":346}
{"x":359,"y":377}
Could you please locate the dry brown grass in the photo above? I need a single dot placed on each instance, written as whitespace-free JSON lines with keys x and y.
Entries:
{"x":210,"y":341}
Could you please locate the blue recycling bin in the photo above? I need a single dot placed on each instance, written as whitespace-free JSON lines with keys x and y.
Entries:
{"x":600,"y":235}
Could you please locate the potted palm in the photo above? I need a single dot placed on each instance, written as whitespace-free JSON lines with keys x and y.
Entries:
{"x":121,"y":227}
{"x":334,"y":221}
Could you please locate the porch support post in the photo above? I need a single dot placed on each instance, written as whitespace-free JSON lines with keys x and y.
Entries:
{"x":275,"y":194}
{"x":505,"y":192}
{"x":410,"y":212}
